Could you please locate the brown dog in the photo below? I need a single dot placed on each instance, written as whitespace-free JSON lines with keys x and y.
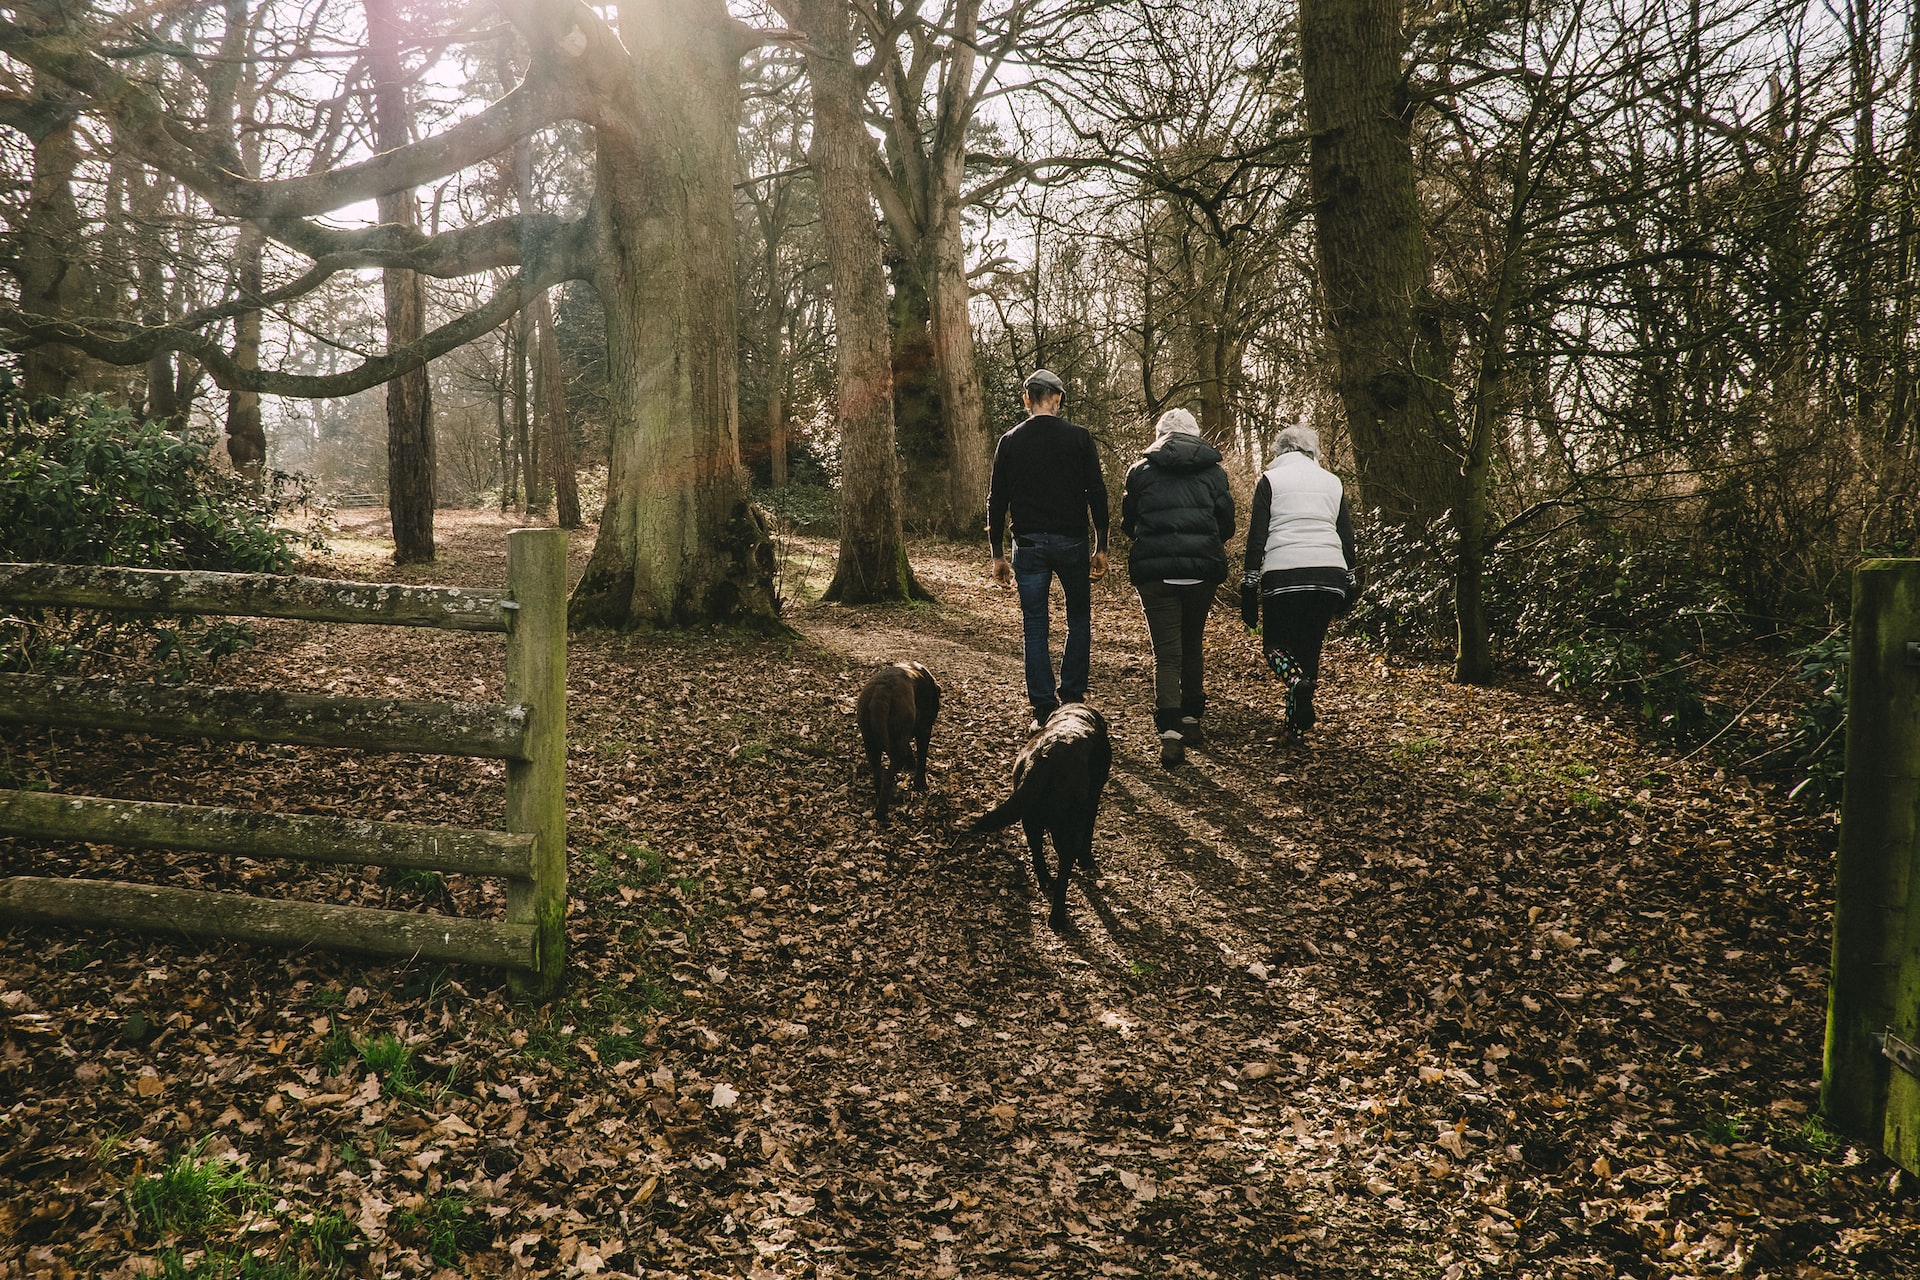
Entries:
{"x":896,"y":712}
{"x":1057,"y":779}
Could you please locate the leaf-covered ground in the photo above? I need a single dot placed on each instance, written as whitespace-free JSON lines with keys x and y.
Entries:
{"x":1477,"y":984}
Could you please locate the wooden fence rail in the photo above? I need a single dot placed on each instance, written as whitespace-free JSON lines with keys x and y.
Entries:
{"x":527,"y":730}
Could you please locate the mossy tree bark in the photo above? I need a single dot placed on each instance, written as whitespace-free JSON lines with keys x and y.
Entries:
{"x":872,"y":566}
{"x":1876,"y":919}
{"x":679,"y":540}
{"x":1372,"y":257}
{"x":410,"y":462}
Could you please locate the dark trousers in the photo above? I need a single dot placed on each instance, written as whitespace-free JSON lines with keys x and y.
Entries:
{"x":1037,"y":559}
{"x":1293,"y":629}
{"x":1177,"y":625}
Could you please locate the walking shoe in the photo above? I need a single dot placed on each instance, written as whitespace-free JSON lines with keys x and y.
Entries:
{"x":1190,"y":732}
{"x":1173,"y":752}
{"x":1302,"y":699}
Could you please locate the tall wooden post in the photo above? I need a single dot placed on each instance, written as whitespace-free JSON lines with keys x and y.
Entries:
{"x":1870,"y":1089}
{"x":537,"y":785}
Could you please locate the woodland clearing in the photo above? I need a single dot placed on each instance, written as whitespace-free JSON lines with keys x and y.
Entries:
{"x":1479,"y":983}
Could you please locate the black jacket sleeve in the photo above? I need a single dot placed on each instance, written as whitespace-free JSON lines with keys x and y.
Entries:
{"x":1096,"y":496}
{"x":997,"y":495}
{"x":1257,"y":528}
{"x":1344,"y":524}
{"x":1222,"y":504}
{"x":1130,"y":503}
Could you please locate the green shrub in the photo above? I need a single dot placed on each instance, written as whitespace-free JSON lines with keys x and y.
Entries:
{"x":83,"y":482}
{"x":1592,"y":613}
{"x":1819,"y":736}
{"x":87,"y":483}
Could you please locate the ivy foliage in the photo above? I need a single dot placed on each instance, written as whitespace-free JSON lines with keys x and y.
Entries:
{"x":86,"y":482}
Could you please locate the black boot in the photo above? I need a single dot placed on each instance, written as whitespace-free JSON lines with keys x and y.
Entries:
{"x":1302,"y":700}
{"x":1191,"y":709}
{"x":1173,"y":743}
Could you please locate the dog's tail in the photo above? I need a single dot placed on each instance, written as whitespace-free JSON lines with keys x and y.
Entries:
{"x":1004,"y":814}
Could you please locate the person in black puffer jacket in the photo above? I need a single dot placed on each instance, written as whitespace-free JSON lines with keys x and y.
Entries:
{"x":1179,"y":512}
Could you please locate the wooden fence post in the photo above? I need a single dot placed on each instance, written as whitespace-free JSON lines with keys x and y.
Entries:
{"x":1869,"y":1088}
{"x":536,"y":786}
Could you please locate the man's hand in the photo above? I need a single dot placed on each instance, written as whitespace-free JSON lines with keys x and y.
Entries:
{"x":1097,"y":567}
{"x":1002,"y":571}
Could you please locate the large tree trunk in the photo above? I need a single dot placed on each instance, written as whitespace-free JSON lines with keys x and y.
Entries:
{"x":679,"y":541}
{"x":410,"y":463}
{"x":961,"y":398}
{"x":550,"y":394}
{"x":147,"y":197}
{"x":873,"y":555}
{"x":919,"y":436}
{"x":1372,"y":256}
{"x":53,"y":276}
{"x":532,"y":436}
{"x":777,"y":404}
{"x":246,"y":432}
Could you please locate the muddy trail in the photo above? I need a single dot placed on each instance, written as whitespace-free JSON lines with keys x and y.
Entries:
{"x":1478,"y":982}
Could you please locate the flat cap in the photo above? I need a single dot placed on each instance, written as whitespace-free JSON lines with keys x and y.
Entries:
{"x":1045,"y":382}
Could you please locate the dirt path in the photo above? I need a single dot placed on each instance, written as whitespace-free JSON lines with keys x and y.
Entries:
{"x":1476,"y":985}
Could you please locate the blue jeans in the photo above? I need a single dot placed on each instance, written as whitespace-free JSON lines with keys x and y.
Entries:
{"x":1037,"y":557}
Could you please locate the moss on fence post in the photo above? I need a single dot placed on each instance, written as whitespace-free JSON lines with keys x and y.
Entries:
{"x":536,"y":785}
{"x":1875,"y":979}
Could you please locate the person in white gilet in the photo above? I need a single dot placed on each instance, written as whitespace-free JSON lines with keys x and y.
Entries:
{"x":1299,"y":568}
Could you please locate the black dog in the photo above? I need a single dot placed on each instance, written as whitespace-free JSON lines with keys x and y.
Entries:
{"x":896,"y":713}
{"x":1057,"y":779}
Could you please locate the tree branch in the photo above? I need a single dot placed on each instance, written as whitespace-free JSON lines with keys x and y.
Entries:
{"x":141,"y":124}
{"x":117,"y":342}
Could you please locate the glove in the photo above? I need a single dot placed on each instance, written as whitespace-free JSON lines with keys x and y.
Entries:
{"x":1250,"y":600}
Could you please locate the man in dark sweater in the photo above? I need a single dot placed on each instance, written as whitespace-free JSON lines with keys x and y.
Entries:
{"x":1046,"y":475}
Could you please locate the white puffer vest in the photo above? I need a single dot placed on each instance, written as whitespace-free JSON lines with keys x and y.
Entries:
{"x":1302,"y":523}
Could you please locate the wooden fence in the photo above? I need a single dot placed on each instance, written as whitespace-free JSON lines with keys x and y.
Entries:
{"x":527,"y":731}
{"x":1871,"y":1085}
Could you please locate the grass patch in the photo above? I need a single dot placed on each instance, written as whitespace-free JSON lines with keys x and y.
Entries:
{"x":1725,"y":1130}
{"x":191,"y":1194}
{"x":328,"y":1236}
{"x":221,"y":1265}
{"x":611,"y":1018}
{"x":1413,"y":750}
{"x":1817,"y":1138}
{"x":336,"y":1051}
{"x":415,"y":881}
{"x":394,"y":1063}
{"x":449,"y":1226}
{"x":359,"y":1160}
{"x":328,"y":998}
